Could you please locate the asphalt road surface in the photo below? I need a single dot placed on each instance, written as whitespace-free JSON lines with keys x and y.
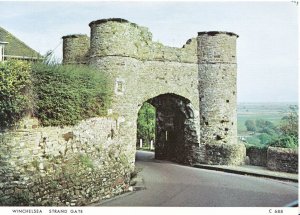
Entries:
{"x":170,"y":184}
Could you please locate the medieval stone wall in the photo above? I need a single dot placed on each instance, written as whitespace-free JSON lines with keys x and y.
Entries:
{"x":282,"y":159}
{"x":257,"y":156}
{"x":73,"y":165}
{"x":274,"y":158}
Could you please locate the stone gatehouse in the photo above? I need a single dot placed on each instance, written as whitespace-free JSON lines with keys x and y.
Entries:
{"x":193,"y":88}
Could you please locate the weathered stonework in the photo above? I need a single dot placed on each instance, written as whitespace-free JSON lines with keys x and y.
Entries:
{"x":174,"y":80}
{"x":225,"y":154}
{"x":282,"y":159}
{"x":257,"y":156}
{"x":217,"y":87}
{"x":63,"y":166}
{"x":75,"y":49}
{"x":274,"y":158}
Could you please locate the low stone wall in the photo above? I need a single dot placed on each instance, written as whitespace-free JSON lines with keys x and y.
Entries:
{"x":225,"y":154}
{"x":282,"y":159}
{"x":257,"y":156}
{"x":73,"y":165}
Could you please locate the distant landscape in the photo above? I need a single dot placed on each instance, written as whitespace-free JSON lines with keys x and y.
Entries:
{"x":272,"y":112}
{"x":268,"y":120}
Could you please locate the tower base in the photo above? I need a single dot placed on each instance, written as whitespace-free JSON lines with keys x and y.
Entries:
{"x":225,"y":154}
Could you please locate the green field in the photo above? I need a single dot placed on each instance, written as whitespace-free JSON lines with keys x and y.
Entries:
{"x":267,"y":111}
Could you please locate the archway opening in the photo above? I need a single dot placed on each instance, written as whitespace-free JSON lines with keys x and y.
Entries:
{"x":146,"y":126}
{"x":174,"y":134}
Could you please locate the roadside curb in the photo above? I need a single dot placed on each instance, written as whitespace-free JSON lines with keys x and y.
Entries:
{"x":240,"y":172}
{"x":111,"y":199}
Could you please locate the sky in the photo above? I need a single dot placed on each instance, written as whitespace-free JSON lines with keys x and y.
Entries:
{"x":267,"y":49}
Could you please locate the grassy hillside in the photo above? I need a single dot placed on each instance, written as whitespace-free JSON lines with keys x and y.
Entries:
{"x":16,"y":46}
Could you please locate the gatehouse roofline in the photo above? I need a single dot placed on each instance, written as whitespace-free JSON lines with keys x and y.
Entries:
{"x":74,"y":36}
{"x":100,"y":21}
{"x":213,"y":33}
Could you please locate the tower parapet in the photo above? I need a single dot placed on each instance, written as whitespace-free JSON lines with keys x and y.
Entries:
{"x":75,"y":49}
{"x":116,"y":37}
{"x":217,"y":47}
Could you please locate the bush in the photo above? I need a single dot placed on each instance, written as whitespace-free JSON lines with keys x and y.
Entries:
{"x":285,"y":141}
{"x":15,"y":92}
{"x":250,"y":125}
{"x":256,"y":147}
{"x":289,"y":123}
{"x":68,"y":94}
{"x":265,"y":138}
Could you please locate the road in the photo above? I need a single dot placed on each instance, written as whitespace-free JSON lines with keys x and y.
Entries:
{"x":170,"y":184}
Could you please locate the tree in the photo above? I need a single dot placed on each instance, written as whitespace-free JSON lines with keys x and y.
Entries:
{"x":289,"y":130}
{"x":289,"y":123}
{"x":265,"y":138}
{"x":250,"y":125}
{"x":285,"y":141}
{"x":146,"y":123}
{"x":265,"y":126}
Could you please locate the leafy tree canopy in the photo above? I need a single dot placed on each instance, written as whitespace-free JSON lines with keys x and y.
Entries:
{"x":146,"y":123}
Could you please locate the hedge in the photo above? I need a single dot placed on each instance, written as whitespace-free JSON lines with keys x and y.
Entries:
{"x":15,"y":92}
{"x":57,"y":95}
{"x":68,"y":94}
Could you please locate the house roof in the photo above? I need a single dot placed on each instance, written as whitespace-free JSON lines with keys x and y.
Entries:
{"x":15,"y":46}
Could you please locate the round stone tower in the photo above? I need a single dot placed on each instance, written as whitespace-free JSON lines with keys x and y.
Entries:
{"x":115,"y":37}
{"x":75,"y":49}
{"x":114,"y":51}
{"x":217,"y":96}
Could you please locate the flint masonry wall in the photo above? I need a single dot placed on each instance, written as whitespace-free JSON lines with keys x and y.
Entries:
{"x":63,"y":166}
